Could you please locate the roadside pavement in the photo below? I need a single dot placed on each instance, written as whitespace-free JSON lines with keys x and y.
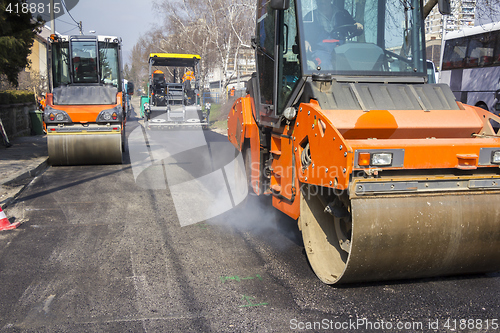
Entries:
{"x":26,"y":158}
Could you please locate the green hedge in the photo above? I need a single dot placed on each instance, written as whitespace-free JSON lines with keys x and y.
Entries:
{"x":16,"y":96}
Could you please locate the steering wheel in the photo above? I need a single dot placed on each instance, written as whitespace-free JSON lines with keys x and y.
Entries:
{"x":346,"y":31}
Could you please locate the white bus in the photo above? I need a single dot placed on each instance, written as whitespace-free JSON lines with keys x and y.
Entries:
{"x":470,"y":65}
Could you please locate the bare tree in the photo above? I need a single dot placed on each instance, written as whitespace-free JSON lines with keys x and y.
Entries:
{"x":138,"y":70}
{"x":487,"y":11}
{"x":29,"y":81}
{"x":214,"y":29}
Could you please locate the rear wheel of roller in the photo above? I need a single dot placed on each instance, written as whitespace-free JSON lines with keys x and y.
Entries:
{"x":327,"y":239}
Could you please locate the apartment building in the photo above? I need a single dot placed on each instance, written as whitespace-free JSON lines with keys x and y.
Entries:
{"x":463,"y":14}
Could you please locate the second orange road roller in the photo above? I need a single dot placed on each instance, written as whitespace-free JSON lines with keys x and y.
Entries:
{"x":387,"y":175}
{"x":84,"y":116}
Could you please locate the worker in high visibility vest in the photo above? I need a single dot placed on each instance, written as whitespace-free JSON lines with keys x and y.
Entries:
{"x":188,"y":76}
{"x":41,"y":102}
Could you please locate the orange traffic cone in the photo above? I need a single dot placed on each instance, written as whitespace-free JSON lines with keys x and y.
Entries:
{"x":4,"y":222}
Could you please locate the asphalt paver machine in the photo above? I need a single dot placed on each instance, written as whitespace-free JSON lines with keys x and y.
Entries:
{"x":174,"y":91}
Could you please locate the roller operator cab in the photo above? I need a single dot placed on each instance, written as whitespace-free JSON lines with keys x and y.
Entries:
{"x":84,"y":117}
{"x":388,"y":176}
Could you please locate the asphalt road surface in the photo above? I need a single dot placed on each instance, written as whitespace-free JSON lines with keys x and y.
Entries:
{"x":102,"y":249}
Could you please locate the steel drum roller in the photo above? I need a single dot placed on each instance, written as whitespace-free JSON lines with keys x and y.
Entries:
{"x":76,"y":149}
{"x":405,"y":236}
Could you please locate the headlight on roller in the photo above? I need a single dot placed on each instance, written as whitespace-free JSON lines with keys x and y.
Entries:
{"x":110,"y":115}
{"x":51,"y":116}
{"x":495,"y":157}
{"x":381,"y":159}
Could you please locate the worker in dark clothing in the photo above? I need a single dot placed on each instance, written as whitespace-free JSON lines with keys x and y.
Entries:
{"x":327,"y":27}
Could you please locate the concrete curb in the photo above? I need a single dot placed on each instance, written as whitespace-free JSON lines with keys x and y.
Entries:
{"x":16,"y":190}
{"x":30,"y":173}
{"x":218,"y":130}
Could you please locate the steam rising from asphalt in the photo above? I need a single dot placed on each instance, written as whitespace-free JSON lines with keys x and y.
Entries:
{"x":207,"y":182}
{"x":256,"y":216}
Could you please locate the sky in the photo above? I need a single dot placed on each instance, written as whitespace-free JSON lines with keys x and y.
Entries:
{"x":128,"y":19}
